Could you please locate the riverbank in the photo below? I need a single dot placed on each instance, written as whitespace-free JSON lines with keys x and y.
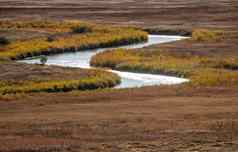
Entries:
{"x":201,"y":68}
{"x":82,"y":59}
{"x":20,"y":78}
{"x":65,"y":36}
{"x":54,"y":37}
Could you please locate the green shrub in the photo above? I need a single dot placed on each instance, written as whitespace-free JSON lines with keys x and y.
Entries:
{"x":43,"y":60}
{"x":51,"y":39}
{"x":4,"y":41}
{"x":81,"y":29}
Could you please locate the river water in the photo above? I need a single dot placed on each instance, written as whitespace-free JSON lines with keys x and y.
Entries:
{"x":128,"y":79}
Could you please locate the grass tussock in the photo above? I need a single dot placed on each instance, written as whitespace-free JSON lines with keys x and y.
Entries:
{"x":205,"y":35}
{"x":214,"y":77}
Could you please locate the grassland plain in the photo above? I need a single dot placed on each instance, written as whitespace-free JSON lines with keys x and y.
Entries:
{"x":166,"y":118}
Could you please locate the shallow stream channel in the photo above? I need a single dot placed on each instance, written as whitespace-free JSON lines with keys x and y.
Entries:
{"x":82,"y":59}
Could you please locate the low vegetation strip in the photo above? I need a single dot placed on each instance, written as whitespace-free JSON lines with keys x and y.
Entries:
{"x":81,"y":37}
{"x":62,"y":86}
{"x":142,"y":61}
{"x":207,"y":35}
{"x":42,"y":25}
{"x":20,"y":50}
{"x":201,"y":70}
{"x":78,"y":79}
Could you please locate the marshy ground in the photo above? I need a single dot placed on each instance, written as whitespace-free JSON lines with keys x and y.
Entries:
{"x":168,"y":118}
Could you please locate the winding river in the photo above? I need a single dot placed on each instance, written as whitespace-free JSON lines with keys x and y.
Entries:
{"x":128,"y":79}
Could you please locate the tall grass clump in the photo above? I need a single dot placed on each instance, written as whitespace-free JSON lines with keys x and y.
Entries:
{"x":214,"y":77}
{"x":204,"y":35}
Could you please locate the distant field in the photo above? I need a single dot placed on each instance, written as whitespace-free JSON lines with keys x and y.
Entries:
{"x":115,"y":3}
{"x":173,"y":13}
